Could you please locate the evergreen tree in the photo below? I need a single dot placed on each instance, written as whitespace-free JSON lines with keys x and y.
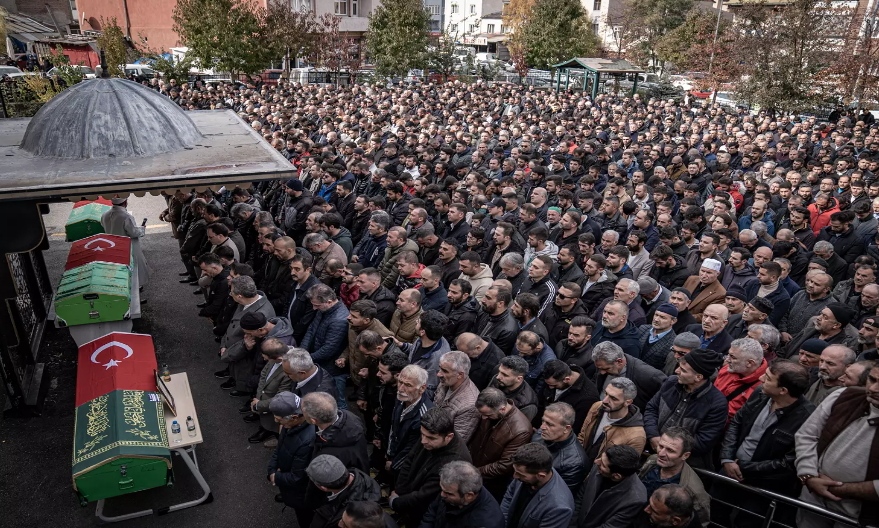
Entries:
{"x":398,"y":37}
{"x":556,"y":30}
{"x":225,"y":35}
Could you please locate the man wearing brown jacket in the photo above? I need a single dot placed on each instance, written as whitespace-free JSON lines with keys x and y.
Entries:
{"x":613,"y":421}
{"x":501,"y":431}
{"x":706,"y":287}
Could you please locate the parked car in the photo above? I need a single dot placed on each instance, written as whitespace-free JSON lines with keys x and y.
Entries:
{"x":646,"y":81}
{"x":10,"y":72}
{"x":87,"y":73}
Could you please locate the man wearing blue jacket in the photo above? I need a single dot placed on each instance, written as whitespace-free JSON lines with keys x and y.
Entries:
{"x":537,"y":496}
{"x":327,"y":336}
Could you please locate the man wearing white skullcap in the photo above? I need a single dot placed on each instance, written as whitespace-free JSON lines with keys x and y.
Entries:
{"x":706,"y":287}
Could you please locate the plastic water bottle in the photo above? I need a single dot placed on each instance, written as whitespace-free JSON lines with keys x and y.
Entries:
{"x":190,"y":426}
{"x":175,"y":432}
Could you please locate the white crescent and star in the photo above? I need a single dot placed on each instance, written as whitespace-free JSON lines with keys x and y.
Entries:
{"x":112,"y":362}
{"x":100,"y":248}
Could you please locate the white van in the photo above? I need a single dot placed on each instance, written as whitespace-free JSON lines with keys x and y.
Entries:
{"x":139,"y":70}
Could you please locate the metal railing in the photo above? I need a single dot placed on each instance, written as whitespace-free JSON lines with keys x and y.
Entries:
{"x":774,"y":500}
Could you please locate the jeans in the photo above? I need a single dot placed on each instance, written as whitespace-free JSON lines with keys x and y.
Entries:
{"x":341,"y":399}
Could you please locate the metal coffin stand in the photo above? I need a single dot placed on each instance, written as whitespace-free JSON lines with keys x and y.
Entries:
{"x":179,"y":388}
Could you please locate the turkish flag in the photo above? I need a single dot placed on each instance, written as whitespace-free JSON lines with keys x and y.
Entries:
{"x":102,"y":247}
{"x":116,"y":361}
{"x":101,"y":200}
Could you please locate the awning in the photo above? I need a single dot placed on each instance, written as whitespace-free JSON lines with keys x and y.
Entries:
{"x":231,"y":153}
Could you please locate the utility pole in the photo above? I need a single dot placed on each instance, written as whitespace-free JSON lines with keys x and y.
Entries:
{"x":714,"y":47}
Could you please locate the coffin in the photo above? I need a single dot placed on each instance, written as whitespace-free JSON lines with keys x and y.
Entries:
{"x":85,"y":221}
{"x":93,"y":293}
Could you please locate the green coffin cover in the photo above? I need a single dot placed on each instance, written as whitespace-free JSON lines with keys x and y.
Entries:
{"x":94,"y":293}
{"x":85,"y":221}
{"x":120,"y":445}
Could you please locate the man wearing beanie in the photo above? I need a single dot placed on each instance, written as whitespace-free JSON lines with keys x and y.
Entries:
{"x":691,"y":401}
{"x":342,"y":486}
{"x":296,"y":208}
{"x":656,"y":338}
{"x":257,"y":310}
{"x":832,"y":325}
{"x":735,"y":301}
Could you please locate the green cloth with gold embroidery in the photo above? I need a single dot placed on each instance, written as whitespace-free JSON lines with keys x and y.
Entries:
{"x":120,"y":445}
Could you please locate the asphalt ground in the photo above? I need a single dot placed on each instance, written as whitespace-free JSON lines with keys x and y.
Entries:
{"x":35,"y":453}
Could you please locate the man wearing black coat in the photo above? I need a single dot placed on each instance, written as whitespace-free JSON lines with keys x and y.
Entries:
{"x":300,"y":312}
{"x":461,"y":311}
{"x":339,"y":433}
{"x":418,"y":482}
{"x":218,"y":291}
{"x":287,"y":466}
{"x":566,"y":384}
{"x":484,"y":358}
{"x":612,"y":362}
{"x":465,"y":503}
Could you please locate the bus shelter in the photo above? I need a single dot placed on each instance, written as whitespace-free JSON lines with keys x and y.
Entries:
{"x":594,"y":71}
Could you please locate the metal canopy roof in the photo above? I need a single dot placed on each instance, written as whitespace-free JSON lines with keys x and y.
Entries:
{"x":611,"y":66}
{"x":231,"y":153}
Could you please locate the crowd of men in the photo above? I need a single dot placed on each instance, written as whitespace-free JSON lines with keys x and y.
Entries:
{"x":492,"y":306}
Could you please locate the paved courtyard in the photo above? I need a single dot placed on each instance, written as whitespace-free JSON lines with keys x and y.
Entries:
{"x":35,"y":472}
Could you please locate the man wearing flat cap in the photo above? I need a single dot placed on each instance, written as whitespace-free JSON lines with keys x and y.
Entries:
{"x":286,"y":468}
{"x":706,"y":287}
{"x":342,"y":485}
{"x":118,"y":221}
{"x":832,"y":325}
{"x":691,"y":401}
{"x":656,"y":338}
{"x":755,"y":312}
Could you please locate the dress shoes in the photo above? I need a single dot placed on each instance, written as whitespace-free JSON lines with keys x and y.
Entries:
{"x":228,"y":384}
{"x":184,"y":274}
{"x":251,"y":418}
{"x":222,"y":374}
{"x":238,"y":394}
{"x":201,"y":305}
{"x":260,"y":436}
{"x":185,"y":280}
{"x":245,"y":409}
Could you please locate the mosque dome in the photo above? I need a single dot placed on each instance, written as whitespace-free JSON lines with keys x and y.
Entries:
{"x":109,"y":118}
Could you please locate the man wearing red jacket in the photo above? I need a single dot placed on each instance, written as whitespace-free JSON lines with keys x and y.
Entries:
{"x":742,"y":373}
{"x":820,"y":211}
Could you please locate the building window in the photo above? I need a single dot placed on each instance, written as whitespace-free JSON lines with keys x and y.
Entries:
{"x":453,"y":28}
{"x":596,"y":5}
{"x":504,"y":28}
{"x":472,"y":28}
{"x":473,"y":9}
{"x":595,"y":27}
{"x":433,"y":10}
{"x":489,"y":28}
{"x":454,"y":9}
{"x":341,"y":7}
{"x":355,"y":7}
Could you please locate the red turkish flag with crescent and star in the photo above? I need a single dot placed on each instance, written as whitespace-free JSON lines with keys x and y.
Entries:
{"x":116,"y":361}
{"x":99,"y":248}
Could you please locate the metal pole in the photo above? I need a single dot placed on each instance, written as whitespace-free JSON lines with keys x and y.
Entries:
{"x":714,"y":46}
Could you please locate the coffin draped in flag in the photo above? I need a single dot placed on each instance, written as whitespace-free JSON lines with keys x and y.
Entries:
{"x":120,"y":442}
{"x":112,"y":249}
